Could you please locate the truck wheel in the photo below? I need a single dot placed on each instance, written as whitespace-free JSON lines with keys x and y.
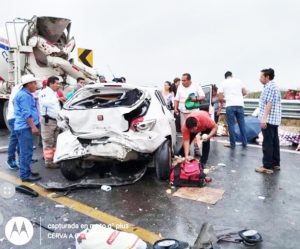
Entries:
{"x":163,"y":160}
{"x":3,"y":113}
{"x":71,"y":169}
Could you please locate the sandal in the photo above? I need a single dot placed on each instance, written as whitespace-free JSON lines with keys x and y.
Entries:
{"x":264,"y":170}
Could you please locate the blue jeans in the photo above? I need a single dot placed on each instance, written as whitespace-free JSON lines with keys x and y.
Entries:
{"x":236,"y":113}
{"x":25,"y":144}
{"x":13,"y":146}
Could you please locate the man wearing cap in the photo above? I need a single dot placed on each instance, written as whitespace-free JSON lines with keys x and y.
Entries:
{"x":26,"y":124}
{"x":49,"y":109}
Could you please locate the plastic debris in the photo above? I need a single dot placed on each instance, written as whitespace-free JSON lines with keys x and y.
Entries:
{"x":59,"y":206}
{"x":261,"y":197}
{"x":26,"y":190}
{"x":106,"y":188}
{"x":222,"y":164}
{"x":99,"y":237}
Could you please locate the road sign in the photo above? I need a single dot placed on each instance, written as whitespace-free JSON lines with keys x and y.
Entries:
{"x":85,"y":56}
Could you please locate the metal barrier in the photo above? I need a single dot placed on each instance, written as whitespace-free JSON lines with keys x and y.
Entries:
{"x":290,"y":108}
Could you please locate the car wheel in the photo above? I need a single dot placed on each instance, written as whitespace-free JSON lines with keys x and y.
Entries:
{"x":71,"y":169}
{"x":163,"y":160}
{"x":3,"y":113}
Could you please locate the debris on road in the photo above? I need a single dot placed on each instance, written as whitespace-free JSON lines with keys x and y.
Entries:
{"x":261,"y":197}
{"x":222,"y":164}
{"x":26,"y":190}
{"x":40,"y":225}
{"x":170,"y":243}
{"x":106,"y":188}
{"x":99,"y":236}
{"x":59,"y":206}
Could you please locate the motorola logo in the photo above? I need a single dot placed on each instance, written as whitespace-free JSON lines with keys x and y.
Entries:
{"x":19,"y":231}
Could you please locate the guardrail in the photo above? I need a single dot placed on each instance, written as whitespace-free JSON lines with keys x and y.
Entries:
{"x":290,"y":108}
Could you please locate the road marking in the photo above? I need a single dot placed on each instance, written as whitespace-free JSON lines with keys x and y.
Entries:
{"x":259,"y":146}
{"x":3,"y":149}
{"x":91,"y":212}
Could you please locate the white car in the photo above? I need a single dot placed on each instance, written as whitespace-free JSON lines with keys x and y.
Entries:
{"x":114,"y":122}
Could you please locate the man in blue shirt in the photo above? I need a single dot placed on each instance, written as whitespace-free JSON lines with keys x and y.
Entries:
{"x":26,"y":124}
{"x":270,"y":119}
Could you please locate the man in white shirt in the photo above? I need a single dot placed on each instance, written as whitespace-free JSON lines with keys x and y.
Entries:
{"x":13,"y":146}
{"x":184,"y":91}
{"x":49,"y":109}
{"x":232,"y":91}
{"x":188,"y":91}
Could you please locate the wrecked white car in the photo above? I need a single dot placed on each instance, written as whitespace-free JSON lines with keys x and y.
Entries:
{"x":114,"y":122}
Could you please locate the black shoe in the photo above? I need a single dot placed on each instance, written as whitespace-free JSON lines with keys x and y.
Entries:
{"x":33,"y":173}
{"x":31,"y":179}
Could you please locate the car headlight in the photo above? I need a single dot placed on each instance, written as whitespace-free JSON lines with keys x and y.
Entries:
{"x":146,"y":125}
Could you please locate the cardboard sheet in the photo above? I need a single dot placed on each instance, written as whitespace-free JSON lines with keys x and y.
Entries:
{"x":207,"y":195}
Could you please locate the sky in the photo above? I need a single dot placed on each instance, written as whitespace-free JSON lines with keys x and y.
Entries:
{"x":150,"y":42}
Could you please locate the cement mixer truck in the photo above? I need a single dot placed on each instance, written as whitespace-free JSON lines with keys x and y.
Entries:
{"x":40,"y":46}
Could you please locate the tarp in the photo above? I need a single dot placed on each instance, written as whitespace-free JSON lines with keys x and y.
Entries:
{"x":252,"y":125}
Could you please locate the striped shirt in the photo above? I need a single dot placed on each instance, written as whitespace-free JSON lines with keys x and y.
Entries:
{"x":271,"y":94}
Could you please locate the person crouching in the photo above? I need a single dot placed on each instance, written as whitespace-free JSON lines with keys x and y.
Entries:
{"x":197,"y":122}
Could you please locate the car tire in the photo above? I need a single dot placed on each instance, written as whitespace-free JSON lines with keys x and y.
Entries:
{"x":163,"y":160}
{"x":3,"y":113}
{"x":71,"y":169}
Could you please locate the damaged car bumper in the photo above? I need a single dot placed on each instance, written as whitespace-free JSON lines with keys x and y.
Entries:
{"x":106,"y":145}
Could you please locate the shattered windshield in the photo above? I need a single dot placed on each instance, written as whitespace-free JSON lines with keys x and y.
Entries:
{"x":103,"y":98}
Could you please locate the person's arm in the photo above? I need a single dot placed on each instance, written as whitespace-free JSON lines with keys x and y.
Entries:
{"x":220,"y":93}
{"x":186,"y":149}
{"x":34,"y":129}
{"x":25,"y":103}
{"x":201,"y":95}
{"x":264,"y":119}
{"x":221,"y":104}
{"x":176,"y":102}
{"x":269,"y":95}
{"x":221,"y":97}
{"x":212,"y":132}
{"x":244,"y":91}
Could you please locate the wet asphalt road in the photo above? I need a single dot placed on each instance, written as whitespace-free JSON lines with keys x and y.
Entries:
{"x":147,"y":204}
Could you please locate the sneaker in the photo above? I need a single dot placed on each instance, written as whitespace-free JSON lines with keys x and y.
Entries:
{"x":12,"y":165}
{"x":264,"y":170}
{"x":31,"y":179}
{"x":228,"y":145}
